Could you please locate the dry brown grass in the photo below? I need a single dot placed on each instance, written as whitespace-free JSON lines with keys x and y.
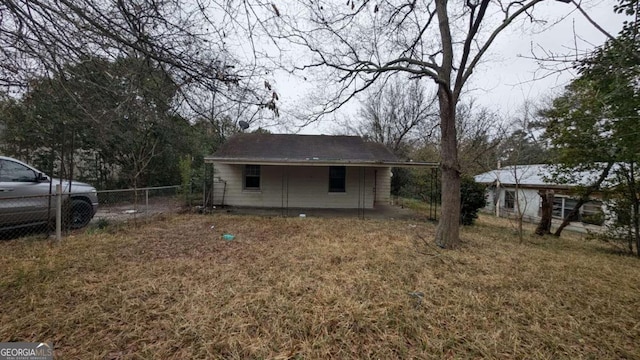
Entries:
{"x":318,"y":288}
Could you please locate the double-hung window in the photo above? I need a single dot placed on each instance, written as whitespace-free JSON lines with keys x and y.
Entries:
{"x":509,"y":199}
{"x":252,"y":177}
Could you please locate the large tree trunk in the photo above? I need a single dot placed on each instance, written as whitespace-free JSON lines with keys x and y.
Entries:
{"x":544,"y":227}
{"x":448,"y":231}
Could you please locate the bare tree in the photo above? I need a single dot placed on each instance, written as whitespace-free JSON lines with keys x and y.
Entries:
{"x":189,"y":40}
{"x":480,"y":132}
{"x":520,"y":148}
{"x":628,"y":7}
{"x":361,"y":42}
{"x":394,"y":113}
{"x":521,"y":202}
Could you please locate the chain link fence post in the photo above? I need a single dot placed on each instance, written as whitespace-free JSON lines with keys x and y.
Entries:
{"x":58,"y":212}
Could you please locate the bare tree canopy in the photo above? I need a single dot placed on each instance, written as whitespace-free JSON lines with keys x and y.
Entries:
{"x":192,"y":41}
{"x":363,"y":41}
{"x":394,"y":114}
{"x":480,"y":133}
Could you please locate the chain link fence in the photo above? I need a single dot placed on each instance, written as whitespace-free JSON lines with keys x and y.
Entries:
{"x":118,"y":206}
{"x":25,"y":215}
{"x":59,"y":213}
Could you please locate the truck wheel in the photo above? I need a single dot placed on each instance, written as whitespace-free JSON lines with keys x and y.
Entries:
{"x":81,"y":214}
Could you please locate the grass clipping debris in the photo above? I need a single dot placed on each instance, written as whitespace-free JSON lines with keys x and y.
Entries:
{"x":318,"y":288}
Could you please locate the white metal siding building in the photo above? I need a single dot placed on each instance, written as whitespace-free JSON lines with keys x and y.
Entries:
{"x":515,"y":190}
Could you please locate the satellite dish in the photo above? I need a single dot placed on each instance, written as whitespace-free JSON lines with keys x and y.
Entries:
{"x":243,"y":124}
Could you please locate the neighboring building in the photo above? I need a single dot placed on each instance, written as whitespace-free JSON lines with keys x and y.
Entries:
{"x":303,"y":171}
{"x":528,"y":180}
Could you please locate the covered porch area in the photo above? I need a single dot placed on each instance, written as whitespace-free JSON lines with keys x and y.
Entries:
{"x":294,"y":187}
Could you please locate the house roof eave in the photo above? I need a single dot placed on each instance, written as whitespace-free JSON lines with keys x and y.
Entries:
{"x":532,"y":186}
{"x":319,"y":162}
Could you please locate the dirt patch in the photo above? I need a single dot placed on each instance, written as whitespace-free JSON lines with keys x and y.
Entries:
{"x":126,"y":211}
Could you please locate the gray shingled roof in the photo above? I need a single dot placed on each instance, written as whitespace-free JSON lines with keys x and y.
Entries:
{"x":302,"y":148}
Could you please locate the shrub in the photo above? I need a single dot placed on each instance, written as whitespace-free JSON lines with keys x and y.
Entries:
{"x":472,"y":199}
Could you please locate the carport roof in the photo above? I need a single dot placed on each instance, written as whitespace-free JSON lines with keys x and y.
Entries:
{"x":308,"y":150}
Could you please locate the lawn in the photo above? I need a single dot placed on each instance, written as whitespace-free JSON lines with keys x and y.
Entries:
{"x":318,"y":288}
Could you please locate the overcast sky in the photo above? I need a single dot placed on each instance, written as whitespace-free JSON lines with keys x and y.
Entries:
{"x":507,"y":78}
{"x":512,"y":77}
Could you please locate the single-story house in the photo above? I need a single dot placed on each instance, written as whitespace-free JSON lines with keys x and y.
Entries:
{"x":514,"y":189}
{"x":303,"y":171}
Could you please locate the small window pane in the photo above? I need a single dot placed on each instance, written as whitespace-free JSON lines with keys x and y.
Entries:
{"x":557,"y":207}
{"x":252,"y":170}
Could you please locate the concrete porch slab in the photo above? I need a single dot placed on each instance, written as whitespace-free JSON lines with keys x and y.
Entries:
{"x":379,"y":212}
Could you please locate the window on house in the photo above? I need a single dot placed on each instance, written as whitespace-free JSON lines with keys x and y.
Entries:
{"x":509,"y":199}
{"x":558,"y":207}
{"x":337,"y":178}
{"x":592,"y":213}
{"x":252,"y":177}
{"x":563,"y":206}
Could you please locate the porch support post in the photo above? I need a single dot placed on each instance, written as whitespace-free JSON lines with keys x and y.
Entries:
{"x":213,"y":184}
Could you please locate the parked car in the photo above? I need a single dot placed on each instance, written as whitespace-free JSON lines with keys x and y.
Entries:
{"x":25,"y":197}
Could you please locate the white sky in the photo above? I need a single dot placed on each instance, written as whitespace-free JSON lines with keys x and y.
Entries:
{"x":507,"y":78}
{"x":511,"y":78}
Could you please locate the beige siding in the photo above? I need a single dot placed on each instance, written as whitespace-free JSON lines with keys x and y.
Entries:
{"x":298,"y":186}
{"x":268,"y":196}
{"x":383,"y":186}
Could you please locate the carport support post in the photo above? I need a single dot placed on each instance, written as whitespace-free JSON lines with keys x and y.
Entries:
{"x":58,"y":212}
